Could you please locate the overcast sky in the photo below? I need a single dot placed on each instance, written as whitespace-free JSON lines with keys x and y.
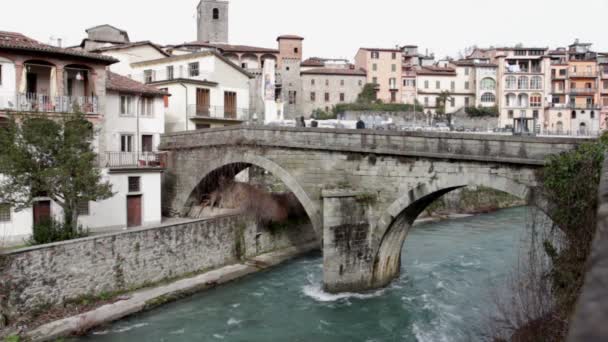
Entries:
{"x":332,"y":28}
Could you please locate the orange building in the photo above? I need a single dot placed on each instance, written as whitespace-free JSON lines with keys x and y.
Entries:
{"x":384,"y":69}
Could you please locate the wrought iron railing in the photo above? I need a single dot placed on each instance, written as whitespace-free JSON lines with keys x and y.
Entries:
{"x":574,"y":106}
{"x":218,"y":112}
{"x":583,"y":90}
{"x":33,"y":102}
{"x":138,"y":160}
{"x":583,"y":73}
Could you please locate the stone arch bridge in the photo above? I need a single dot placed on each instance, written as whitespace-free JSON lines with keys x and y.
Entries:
{"x":361,"y":189}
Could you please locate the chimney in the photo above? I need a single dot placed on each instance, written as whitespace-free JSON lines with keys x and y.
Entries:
{"x":59,"y":42}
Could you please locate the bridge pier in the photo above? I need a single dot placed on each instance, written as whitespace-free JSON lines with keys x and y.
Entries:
{"x":348,"y":256}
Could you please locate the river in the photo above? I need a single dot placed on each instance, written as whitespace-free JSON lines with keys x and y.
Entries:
{"x":443,"y":294}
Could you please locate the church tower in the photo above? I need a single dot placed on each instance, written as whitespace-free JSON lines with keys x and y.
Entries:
{"x":212,"y":21}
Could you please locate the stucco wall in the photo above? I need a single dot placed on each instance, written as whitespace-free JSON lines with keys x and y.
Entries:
{"x":334,"y":85}
{"x":53,"y":274}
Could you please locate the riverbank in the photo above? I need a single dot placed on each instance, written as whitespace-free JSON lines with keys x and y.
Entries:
{"x":46,"y":283}
{"x":449,"y":271}
{"x":146,"y":299}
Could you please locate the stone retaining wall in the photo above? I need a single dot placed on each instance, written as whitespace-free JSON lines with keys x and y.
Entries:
{"x":38,"y":278}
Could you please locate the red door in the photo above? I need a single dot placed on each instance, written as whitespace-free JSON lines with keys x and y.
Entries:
{"x":134,"y":211}
{"x":42,"y":212}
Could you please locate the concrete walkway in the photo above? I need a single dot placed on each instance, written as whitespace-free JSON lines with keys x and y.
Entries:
{"x":145,"y":299}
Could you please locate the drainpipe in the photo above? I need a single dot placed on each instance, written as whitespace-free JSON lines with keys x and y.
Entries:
{"x":186,"y":91}
{"x":138,"y":138}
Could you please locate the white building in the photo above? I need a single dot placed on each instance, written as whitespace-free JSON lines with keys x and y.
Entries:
{"x":39,"y":79}
{"x":476,"y":80}
{"x":207,"y":90}
{"x":131,"y":53}
{"x":431,"y":82}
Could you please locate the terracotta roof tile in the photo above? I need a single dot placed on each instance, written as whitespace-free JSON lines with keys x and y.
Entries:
{"x":313,"y":62}
{"x":121,"y":83}
{"x":433,"y":70}
{"x":20,"y":42}
{"x":228,"y":47}
{"x":130,"y":45}
{"x":334,"y":71}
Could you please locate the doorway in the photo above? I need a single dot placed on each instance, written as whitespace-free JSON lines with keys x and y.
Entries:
{"x":202,"y":102}
{"x":42,"y":212}
{"x":32,"y":83}
{"x":133,"y":211}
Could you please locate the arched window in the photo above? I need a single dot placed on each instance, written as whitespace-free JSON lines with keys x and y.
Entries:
{"x":582,"y":128}
{"x":216,"y":13}
{"x":523,"y":100}
{"x":536,"y":100}
{"x":536,"y":82}
{"x":488,"y":84}
{"x":511,"y":82}
{"x":488,"y":97}
{"x":511,"y":100}
{"x":522,"y":83}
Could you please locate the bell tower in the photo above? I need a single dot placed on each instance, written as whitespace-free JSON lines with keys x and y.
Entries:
{"x":212,"y":21}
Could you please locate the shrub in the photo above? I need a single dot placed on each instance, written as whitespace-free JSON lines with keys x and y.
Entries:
{"x":320,"y":114}
{"x":50,"y":231}
{"x":482,"y":111}
{"x":377,"y":107}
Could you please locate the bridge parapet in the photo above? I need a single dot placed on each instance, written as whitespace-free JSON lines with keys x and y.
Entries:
{"x":454,"y":146}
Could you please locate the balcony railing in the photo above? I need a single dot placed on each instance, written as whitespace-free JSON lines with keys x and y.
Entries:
{"x":583,"y":74}
{"x":32,"y":102}
{"x":218,"y":112}
{"x":574,"y":106}
{"x":133,"y":160}
{"x":583,"y":90}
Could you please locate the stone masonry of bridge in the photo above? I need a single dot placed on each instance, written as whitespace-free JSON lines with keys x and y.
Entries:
{"x":361,"y":189}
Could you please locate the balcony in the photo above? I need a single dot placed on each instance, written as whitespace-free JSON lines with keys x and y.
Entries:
{"x":133,"y":160}
{"x":558,"y":91}
{"x":583,"y":90}
{"x":590,"y":106}
{"x":32,"y":102}
{"x":218,"y":112}
{"x":557,"y":76}
{"x":584,"y":74}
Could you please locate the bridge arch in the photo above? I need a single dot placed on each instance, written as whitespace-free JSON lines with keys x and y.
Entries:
{"x":394,"y":224}
{"x":239,"y":162}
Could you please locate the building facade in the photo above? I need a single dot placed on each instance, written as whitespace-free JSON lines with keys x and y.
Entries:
{"x":324,"y":87}
{"x":384,"y":69}
{"x":207,"y":90}
{"x":431,"y":83}
{"x":39,"y":79}
{"x":523,"y":87}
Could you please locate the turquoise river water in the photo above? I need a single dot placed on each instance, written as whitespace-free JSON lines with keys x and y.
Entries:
{"x":443,"y":294}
